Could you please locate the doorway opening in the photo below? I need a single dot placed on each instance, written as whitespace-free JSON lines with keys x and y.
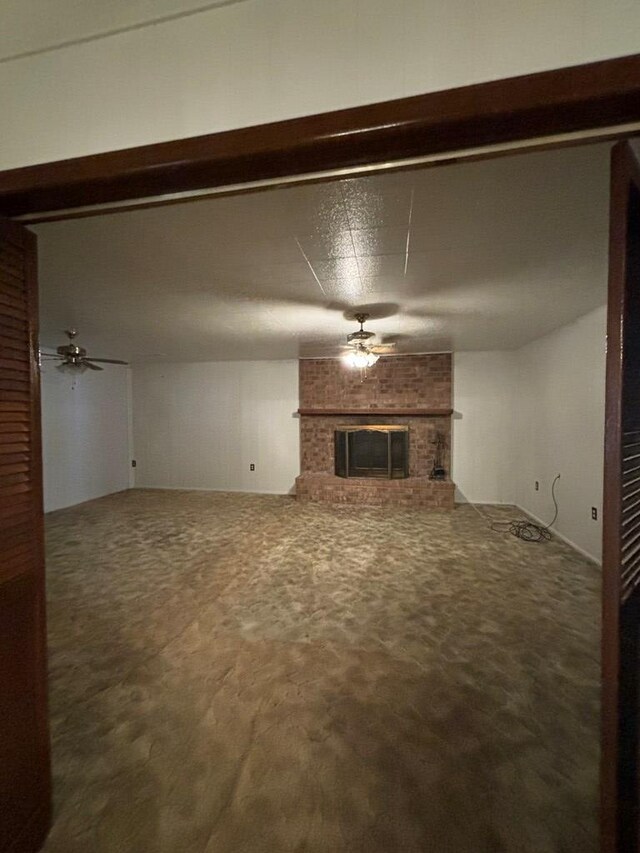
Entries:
{"x":233,"y":314}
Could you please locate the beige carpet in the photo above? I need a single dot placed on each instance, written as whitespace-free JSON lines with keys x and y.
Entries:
{"x":243,"y":673}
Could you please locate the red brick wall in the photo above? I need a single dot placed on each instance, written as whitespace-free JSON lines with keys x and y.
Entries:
{"x":398,"y":382}
{"x":404,"y":381}
{"x":408,"y":381}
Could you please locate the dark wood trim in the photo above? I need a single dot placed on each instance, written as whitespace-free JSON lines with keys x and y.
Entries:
{"x":612,"y":497}
{"x":35,"y":832}
{"x":42,"y":820}
{"x":402,"y":413}
{"x":584,"y":97}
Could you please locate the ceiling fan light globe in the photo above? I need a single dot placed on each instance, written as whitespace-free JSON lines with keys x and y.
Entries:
{"x":358,"y":359}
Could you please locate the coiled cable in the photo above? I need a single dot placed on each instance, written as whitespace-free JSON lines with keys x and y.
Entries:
{"x":528,"y":531}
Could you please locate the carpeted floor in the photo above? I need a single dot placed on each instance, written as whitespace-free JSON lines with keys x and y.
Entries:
{"x":243,"y":673}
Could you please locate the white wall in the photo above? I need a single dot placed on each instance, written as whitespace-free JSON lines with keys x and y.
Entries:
{"x":264,"y":60}
{"x":85,"y":435}
{"x":560,"y":428}
{"x":483,"y":424}
{"x":529,"y":414}
{"x":200,"y":426}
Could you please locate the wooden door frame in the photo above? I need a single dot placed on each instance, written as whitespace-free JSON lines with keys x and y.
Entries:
{"x":543,"y":106}
{"x":537,"y":109}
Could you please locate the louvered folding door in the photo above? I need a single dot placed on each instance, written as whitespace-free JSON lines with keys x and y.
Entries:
{"x":621,"y":515}
{"x":24,"y":747}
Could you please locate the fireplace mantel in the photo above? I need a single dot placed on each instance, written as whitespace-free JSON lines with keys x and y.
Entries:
{"x":410,"y":413}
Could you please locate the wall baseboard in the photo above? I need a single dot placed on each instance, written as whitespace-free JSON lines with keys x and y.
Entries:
{"x":561,"y":536}
{"x":486,"y":503}
{"x":212,"y":489}
{"x":88,"y":500}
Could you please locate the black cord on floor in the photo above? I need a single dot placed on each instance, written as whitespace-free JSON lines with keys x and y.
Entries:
{"x":528,"y":530}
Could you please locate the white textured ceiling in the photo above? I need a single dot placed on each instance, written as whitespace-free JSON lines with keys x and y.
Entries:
{"x":471,"y":256}
{"x":30,"y":26}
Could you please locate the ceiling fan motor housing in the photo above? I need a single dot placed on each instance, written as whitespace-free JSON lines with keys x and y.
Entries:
{"x":361,"y":336}
{"x":71,"y":352}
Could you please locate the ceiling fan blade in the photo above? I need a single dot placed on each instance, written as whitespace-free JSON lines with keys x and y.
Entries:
{"x":72,"y":368}
{"x":50,"y":355}
{"x":382,"y":348}
{"x":91,"y":366}
{"x":109,"y":361}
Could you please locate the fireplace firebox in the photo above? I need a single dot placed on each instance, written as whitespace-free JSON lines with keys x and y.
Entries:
{"x":372,"y":450}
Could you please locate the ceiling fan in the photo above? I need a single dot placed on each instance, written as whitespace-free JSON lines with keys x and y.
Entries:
{"x":74,"y":358}
{"x":361,"y":352}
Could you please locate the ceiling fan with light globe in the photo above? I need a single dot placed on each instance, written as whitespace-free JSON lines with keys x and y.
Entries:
{"x":361,"y":353}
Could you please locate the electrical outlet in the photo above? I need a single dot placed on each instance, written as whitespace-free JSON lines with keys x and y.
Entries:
{"x":537,"y":486}
{"x":594,"y":513}
{"x":133,"y":463}
{"x":252,"y":467}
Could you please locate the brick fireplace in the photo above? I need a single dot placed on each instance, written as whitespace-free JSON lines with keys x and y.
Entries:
{"x":412,"y":391}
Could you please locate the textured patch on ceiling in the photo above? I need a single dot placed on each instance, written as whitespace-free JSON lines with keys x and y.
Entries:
{"x":473,"y":256}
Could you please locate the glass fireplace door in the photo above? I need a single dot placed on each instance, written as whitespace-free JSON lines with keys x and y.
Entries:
{"x":379,"y":452}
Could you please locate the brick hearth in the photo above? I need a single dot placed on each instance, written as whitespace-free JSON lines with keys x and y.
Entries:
{"x":418,"y":492}
{"x":397,"y":383}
